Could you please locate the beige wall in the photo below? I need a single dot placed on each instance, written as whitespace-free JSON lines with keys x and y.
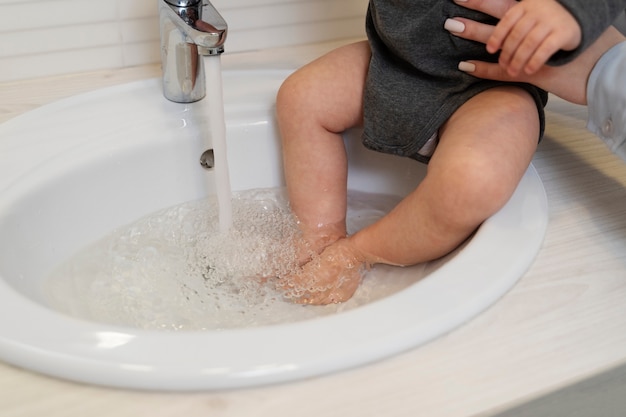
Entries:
{"x":52,"y":37}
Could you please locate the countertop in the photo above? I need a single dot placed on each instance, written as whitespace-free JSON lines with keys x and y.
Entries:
{"x":563,"y":323}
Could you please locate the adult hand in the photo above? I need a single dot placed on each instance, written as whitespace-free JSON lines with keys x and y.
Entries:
{"x":568,"y":81}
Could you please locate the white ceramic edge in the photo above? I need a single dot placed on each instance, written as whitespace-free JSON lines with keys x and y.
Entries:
{"x":49,"y":342}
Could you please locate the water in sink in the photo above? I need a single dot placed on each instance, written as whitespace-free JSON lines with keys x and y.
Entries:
{"x":176,"y":270}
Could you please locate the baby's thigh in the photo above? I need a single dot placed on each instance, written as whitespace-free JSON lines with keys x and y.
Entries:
{"x":486,"y":147}
{"x":500,"y":125}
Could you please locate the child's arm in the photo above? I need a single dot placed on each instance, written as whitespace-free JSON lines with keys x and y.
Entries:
{"x":531,"y":32}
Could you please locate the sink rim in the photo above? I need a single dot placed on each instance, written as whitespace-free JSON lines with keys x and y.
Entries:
{"x":123,"y":357}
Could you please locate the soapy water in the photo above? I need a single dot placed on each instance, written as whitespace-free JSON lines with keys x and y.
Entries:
{"x":176,"y":270}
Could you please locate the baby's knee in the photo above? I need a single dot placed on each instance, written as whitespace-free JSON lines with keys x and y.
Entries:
{"x":471,"y":194}
{"x":293,"y":94}
{"x":285,"y":92}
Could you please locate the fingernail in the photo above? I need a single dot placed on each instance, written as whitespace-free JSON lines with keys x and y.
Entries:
{"x":460,"y":1}
{"x":467,"y":66}
{"x":454,"y":26}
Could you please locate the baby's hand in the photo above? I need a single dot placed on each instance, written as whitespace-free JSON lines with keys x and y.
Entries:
{"x":531,"y":32}
{"x":331,"y":277}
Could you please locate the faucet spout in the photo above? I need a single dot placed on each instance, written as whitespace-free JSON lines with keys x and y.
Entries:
{"x":189,"y":29}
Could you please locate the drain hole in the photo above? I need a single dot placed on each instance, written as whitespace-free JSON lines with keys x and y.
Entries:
{"x":207,"y":160}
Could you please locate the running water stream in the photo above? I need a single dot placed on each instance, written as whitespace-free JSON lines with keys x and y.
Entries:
{"x":217,"y":126}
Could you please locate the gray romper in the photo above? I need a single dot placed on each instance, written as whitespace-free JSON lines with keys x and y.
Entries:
{"x":413,"y":85}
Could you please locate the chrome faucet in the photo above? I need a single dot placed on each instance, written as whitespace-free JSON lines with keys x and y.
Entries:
{"x":189,"y":29}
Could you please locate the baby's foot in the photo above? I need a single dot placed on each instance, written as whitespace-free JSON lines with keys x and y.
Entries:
{"x":315,"y":240}
{"x":331,"y":277}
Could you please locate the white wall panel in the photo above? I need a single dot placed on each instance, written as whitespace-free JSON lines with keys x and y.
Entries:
{"x":52,"y":37}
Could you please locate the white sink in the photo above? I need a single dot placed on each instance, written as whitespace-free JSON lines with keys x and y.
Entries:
{"x":73,"y":171}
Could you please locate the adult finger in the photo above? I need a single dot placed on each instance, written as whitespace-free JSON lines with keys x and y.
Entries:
{"x":489,"y":71}
{"x":475,"y":31}
{"x":567,"y":81}
{"x":468,"y":29}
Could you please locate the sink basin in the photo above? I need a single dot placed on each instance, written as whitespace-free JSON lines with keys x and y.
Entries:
{"x":75,"y":170}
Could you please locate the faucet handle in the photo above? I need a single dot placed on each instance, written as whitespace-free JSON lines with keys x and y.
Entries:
{"x":188,"y":28}
{"x":211,"y":16}
{"x":182,"y":3}
{"x":214,"y":29}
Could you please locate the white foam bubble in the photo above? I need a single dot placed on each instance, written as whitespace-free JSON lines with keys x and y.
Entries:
{"x":175,"y":270}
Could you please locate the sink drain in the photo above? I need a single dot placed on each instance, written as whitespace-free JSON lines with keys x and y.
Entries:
{"x":207,"y":159}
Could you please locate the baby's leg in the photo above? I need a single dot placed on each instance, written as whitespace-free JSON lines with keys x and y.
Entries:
{"x":314,"y":106}
{"x":484,"y":150}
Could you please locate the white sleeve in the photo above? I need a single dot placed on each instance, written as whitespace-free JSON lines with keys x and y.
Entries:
{"x":606,"y":99}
